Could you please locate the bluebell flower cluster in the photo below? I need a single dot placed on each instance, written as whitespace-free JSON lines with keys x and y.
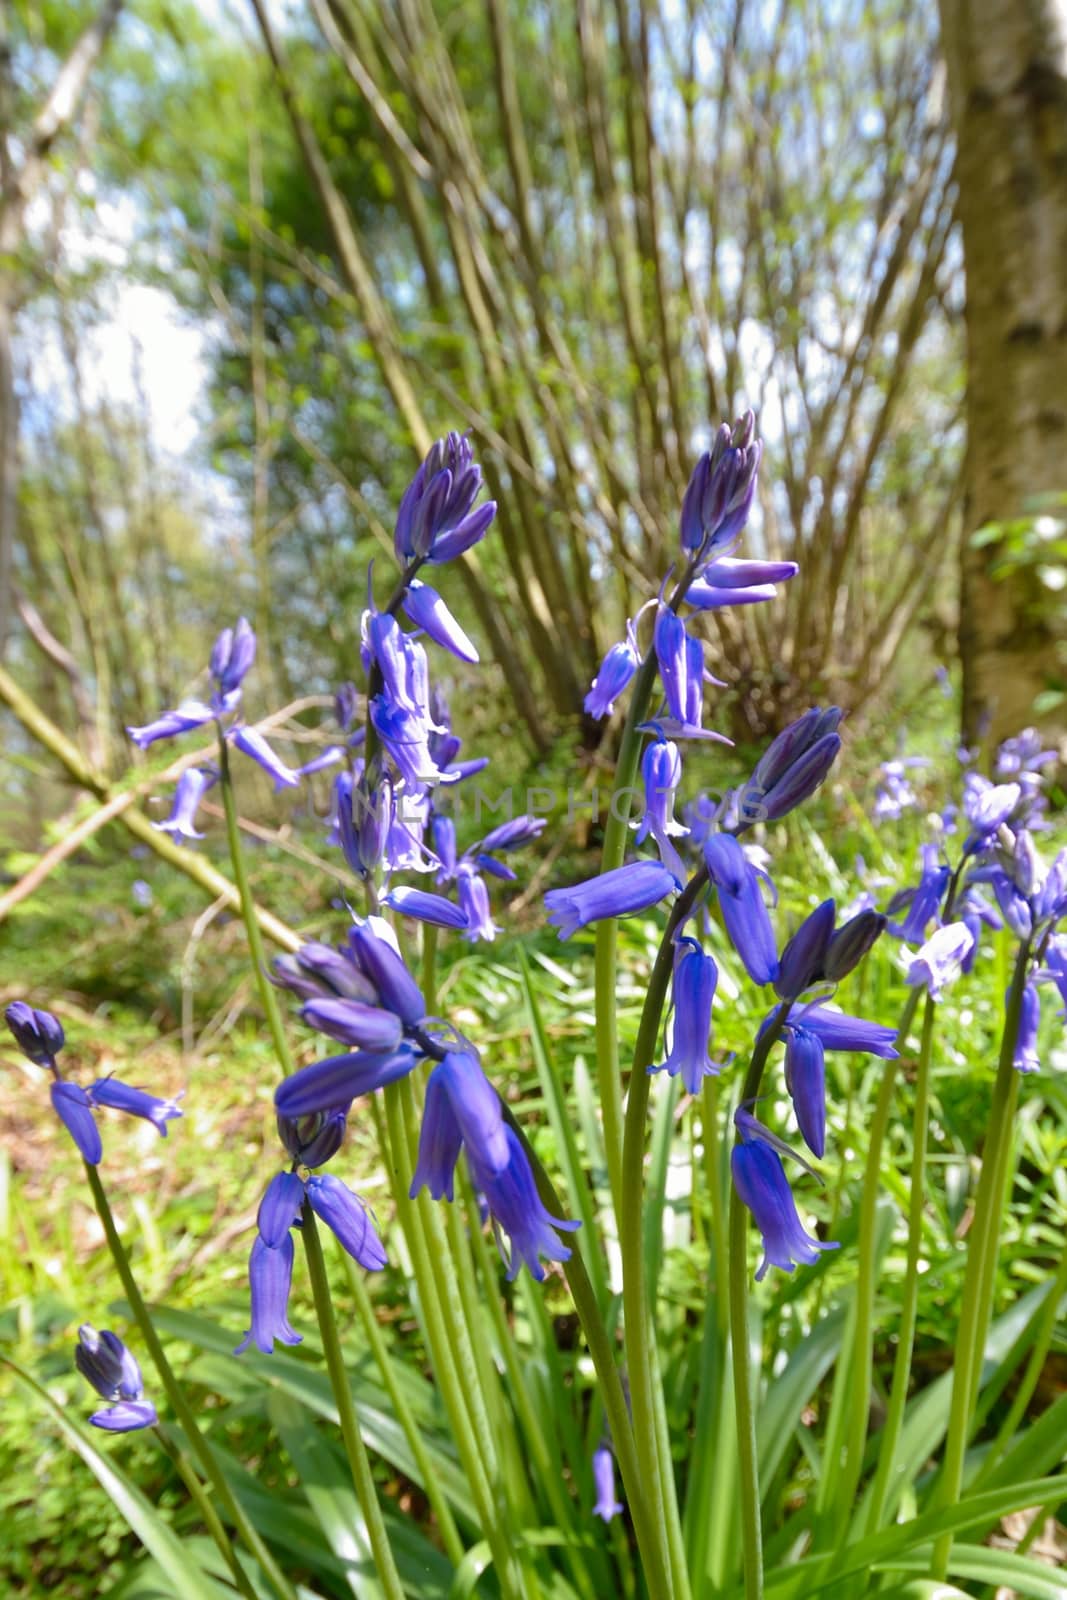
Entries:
{"x":728,"y":872}
{"x":715,"y":509}
{"x":388,"y":819}
{"x":105,"y":1362}
{"x":946,"y":912}
{"x":311,"y":1139}
{"x":232,"y":657}
{"x":39,"y":1035}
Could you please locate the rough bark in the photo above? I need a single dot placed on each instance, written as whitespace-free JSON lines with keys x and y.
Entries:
{"x":1007,"y":74}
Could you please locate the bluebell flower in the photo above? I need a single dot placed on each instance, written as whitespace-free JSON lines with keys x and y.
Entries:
{"x":270,"y":1266}
{"x":135,"y":1102}
{"x":373,"y":948}
{"x":1023,"y":755}
{"x":461,"y":1109}
{"x":315,"y":1138}
{"x":347,"y":1219}
{"x":1025,"y":1057}
{"x":252,"y":743}
{"x":607,"y":1506}
{"x":923,"y":903}
{"x":191,"y":789}
{"x":695,"y":978}
{"x":443,"y":834}
{"x":760,"y":1180}
{"x":804,"y":957}
{"x":270,"y":1277}
{"x":317,"y":971}
{"x":365,"y":818}
{"x":437,"y":519}
{"x":231,"y":657}
{"x":731,"y":573}
{"x":635,"y":887}
{"x":741,"y":903}
{"x":354,"y":1022}
{"x":346,"y":706}
{"x":334,"y":1081}
{"x":805,"y":1079}
{"x":105,"y":1362}
{"x":329,"y":757}
{"x":495,"y":868}
{"x":792,"y":767}
{"x":851,"y":941}
{"x":975,"y":912}
{"x":661,"y":774}
{"x":987,"y":808}
{"x":512,"y":834}
{"x":942,"y":958}
{"x":707,"y":597}
{"x":474,"y":903}
{"x":616,"y":671}
{"x":74,"y":1109}
{"x":425,"y":907}
{"x":1049,"y":903}
{"x":427,"y":610}
{"x":671,"y":641}
{"x":1056,"y":967}
{"x":839,"y":1031}
{"x":1014,"y":907}
{"x":405,"y":735}
{"x":190,"y":714}
{"x":720,"y":492}
{"x":38,"y":1034}
{"x":894,"y":794}
{"x":516,"y":1207}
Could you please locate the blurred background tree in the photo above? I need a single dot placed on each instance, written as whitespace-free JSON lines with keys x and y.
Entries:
{"x":1007,"y":73}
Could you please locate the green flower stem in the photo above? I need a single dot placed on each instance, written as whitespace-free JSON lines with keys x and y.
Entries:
{"x":450,"y":1296}
{"x":744,"y":1404}
{"x":268,"y":996}
{"x":981,"y":1261}
{"x":909,"y":1302}
{"x":461,"y":1276}
{"x":713,"y":1177}
{"x":862,"y":1363}
{"x":182,"y":1409}
{"x":212,"y":1521}
{"x":446,"y":1523}
{"x":545,"y":1467}
{"x":637,"y":1308}
{"x":473,"y":1457}
{"x":358,"y":1460}
{"x":602,"y":1352}
{"x":616,"y":832}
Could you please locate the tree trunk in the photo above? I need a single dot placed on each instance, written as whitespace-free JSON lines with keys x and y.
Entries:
{"x":1007,"y":77}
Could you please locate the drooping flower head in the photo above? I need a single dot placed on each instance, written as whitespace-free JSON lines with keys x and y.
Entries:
{"x":695,"y":977}
{"x":607,"y":1505}
{"x":105,"y":1362}
{"x":463,"y":1113}
{"x":760,"y":1180}
{"x":741,"y":901}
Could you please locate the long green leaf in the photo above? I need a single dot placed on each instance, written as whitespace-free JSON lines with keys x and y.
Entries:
{"x":298,"y":1379}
